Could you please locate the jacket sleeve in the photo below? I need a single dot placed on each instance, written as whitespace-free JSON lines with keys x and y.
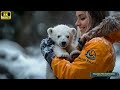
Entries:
{"x":91,"y":59}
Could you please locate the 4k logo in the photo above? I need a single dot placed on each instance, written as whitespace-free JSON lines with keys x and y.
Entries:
{"x":5,"y":15}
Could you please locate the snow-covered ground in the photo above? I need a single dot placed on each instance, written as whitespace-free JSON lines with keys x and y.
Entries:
{"x":117,"y":68}
{"x":117,"y":63}
{"x":16,"y":63}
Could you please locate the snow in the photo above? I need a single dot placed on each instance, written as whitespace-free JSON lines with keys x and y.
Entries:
{"x":21,"y":65}
{"x":117,"y":63}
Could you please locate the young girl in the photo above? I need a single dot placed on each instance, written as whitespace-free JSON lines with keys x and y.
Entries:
{"x":109,"y":27}
{"x":97,"y":53}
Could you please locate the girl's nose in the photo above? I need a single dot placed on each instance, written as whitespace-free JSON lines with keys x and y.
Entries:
{"x":77,"y":23}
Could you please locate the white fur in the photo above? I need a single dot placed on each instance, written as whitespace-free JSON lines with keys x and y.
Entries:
{"x":59,"y":34}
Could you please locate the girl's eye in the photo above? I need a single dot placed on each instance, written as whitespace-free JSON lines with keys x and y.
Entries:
{"x":67,"y":36}
{"x":58,"y":36}
{"x":82,"y":18}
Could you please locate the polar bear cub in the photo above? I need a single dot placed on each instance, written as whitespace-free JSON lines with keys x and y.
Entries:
{"x":63,"y":36}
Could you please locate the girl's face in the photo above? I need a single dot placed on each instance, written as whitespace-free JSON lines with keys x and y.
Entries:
{"x":83,"y":21}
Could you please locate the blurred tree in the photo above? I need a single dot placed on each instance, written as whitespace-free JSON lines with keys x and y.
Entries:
{"x":32,"y":26}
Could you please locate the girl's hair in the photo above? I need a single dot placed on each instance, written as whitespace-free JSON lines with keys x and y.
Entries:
{"x":97,"y":17}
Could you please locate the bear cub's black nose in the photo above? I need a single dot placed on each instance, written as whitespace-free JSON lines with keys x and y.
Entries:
{"x":63,"y":43}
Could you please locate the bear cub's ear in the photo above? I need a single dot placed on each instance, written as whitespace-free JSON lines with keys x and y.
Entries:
{"x":50,"y":31}
{"x":73,"y":31}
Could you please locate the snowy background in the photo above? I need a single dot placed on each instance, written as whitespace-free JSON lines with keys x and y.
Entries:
{"x":20,"y":56}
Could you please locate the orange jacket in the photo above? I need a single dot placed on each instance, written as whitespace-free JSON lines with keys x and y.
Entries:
{"x":97,"y":55}
{"x":114,"y":36}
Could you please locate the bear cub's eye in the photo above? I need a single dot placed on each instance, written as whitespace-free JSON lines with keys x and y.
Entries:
{"x":58,"y":36}
{"x":67,"y":36}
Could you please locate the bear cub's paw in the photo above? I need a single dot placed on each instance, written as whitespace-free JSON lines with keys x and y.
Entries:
{"x":74,"y":54}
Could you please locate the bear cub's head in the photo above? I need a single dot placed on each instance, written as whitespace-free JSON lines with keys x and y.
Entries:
{"x":62,"y":35}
